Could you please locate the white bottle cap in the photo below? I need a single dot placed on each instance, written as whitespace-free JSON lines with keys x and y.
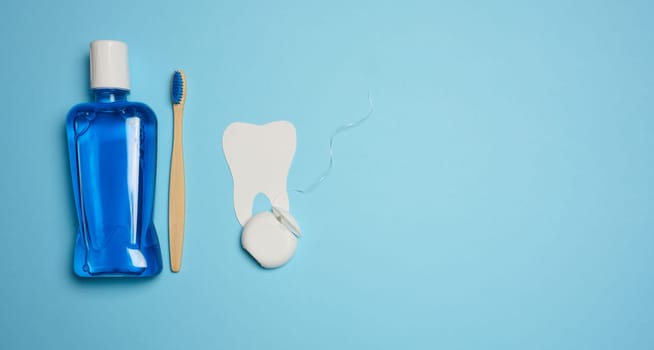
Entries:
{"x":109,"y":65}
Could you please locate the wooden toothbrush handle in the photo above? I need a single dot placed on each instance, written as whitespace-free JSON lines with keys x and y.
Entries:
{"x":176,"y":195}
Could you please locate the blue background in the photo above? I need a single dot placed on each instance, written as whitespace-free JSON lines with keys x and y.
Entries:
{"x":501,"y":196}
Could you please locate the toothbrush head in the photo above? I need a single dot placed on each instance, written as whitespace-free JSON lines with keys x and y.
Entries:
{"x":179,"y":87}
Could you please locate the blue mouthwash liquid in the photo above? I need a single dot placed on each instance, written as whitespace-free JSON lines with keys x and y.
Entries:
{"x":112,"y":148}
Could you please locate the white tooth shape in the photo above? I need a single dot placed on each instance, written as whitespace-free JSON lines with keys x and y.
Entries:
{"x":259,"y":158}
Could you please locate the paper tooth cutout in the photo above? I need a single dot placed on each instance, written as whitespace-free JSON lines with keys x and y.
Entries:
{"x":259,"y":158}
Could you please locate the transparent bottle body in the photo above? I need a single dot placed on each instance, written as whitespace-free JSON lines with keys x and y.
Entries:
{"x":112,"y":149}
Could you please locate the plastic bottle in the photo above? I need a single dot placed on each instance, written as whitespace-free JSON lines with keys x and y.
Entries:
{"x":112,"y":144}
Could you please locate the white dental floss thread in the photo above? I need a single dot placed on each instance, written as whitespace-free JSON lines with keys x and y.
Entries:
{"x":339,"y":130}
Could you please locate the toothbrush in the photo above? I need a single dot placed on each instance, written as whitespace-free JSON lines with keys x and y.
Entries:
{"x":176,"y":195}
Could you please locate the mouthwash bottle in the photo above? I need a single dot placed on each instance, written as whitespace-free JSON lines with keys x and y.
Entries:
{"x":112,"y":147}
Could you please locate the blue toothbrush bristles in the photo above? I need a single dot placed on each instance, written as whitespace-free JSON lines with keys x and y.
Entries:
{"x":178,"y":87}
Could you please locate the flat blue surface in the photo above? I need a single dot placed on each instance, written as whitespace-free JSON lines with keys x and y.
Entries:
{"x":501,"y":197}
